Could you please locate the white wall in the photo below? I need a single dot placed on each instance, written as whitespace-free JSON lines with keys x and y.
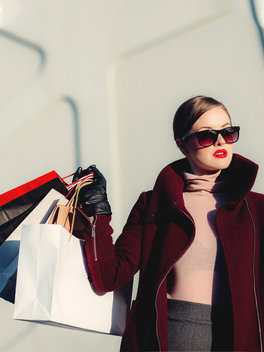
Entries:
{"x":120,"y":69}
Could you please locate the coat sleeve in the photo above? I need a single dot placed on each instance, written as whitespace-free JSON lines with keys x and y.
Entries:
{"x":112,"y":265}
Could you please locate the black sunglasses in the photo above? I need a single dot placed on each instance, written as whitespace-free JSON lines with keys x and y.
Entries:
{"x":209,"y":137}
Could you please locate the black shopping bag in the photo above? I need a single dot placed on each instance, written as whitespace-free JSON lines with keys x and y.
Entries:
{"x":17,"y":203}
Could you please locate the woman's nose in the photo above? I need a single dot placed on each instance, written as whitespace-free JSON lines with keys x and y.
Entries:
{"x":220,"y":140}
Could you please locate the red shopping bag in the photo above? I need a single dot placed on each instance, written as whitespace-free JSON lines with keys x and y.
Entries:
{"x":17,"y":203}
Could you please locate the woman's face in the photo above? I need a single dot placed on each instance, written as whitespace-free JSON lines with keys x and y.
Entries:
{"x":208,"y":160}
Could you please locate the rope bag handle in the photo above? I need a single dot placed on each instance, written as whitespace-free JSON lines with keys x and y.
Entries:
{"x":73,"y":202}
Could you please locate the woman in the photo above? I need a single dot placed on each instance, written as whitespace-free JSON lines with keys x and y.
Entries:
{"x":197,"y":239}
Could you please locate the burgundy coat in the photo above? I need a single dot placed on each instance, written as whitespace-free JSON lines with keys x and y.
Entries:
{"x":158,"y":231}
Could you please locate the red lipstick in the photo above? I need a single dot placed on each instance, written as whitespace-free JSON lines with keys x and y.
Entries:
{"x":220,"y":153}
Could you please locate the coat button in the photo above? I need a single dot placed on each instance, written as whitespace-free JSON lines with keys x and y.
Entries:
{"x":174,"y":202}
{"x":152,"y":213}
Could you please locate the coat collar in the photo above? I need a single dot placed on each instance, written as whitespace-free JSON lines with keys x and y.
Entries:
{"x":168,"y":189}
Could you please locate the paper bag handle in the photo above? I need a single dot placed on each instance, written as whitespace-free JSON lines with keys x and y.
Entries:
{"x":71,"y":206}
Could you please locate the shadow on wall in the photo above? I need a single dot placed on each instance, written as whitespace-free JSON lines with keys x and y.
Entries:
{"x":24,"y":103}
{"x":256,"y":6}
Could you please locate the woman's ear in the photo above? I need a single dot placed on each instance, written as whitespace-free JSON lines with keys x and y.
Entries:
{"x":181,"y":145}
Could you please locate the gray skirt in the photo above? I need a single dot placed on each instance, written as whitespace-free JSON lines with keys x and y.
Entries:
{"x":198,"y":327}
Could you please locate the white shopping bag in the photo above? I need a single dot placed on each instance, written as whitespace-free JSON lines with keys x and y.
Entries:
{"x":52,"y":284}
{"x":10,"y":248}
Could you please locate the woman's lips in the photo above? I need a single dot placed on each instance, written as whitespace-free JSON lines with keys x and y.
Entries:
{"x":220,"y":153}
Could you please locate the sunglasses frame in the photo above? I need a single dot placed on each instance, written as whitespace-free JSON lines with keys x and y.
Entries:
{"x":215,"y":134}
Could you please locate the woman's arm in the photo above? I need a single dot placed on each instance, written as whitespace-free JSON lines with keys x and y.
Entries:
{"x":113,"y":265}
{"x":110,"y":266}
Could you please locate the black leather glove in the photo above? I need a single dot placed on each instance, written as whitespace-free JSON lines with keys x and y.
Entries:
{"x":93,"y":197}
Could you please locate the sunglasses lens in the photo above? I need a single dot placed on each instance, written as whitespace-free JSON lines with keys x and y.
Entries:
{"x":230,"y":134}
{"x":206,"y":138}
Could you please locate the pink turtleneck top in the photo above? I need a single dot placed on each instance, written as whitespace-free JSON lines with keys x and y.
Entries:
{"x":198,"y":273}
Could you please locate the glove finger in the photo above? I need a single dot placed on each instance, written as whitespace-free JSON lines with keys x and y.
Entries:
{"x":99,"y":177}
{"x":87,"y":193}
{"x":90,"y":169}
{"x":77,"y":174}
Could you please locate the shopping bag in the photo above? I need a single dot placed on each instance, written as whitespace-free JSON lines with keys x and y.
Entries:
{"x":52,"y":284}
{"x":17,"y":203}
{"x":8,"y":268}
{"x":65,"y":214}
{"x":10,"y":248}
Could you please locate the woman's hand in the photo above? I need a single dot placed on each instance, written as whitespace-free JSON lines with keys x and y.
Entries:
{"x":93,"y":197}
